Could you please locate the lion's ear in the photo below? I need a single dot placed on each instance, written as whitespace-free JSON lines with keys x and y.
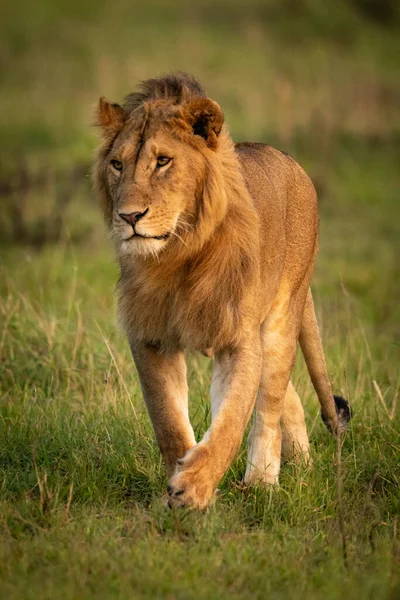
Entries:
{"x":109,"y":117}
{"x":206,"y":119}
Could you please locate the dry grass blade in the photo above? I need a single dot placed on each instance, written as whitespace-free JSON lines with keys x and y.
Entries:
{"x":119,"y":375}
{"x":340,"y":512}
{"x":69,"y":500}
{"x":390,"y":414}
{"x":5,"y":327}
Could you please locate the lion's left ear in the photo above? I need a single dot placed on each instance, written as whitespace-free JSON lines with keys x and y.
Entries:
{"x":109,"y":117}
{"x":206,"y":119}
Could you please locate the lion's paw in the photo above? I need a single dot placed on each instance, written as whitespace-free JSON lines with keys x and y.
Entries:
{"x":193,"y":484}
{"x":254,"y":477}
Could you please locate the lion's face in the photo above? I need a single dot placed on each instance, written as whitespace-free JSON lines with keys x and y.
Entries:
{"x":152,"y":187}
{"x":152,"y":176}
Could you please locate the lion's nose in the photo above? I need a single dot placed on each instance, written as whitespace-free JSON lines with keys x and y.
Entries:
{"x":134,"y":217}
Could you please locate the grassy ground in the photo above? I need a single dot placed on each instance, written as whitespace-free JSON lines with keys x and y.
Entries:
{"x":81,"y":480}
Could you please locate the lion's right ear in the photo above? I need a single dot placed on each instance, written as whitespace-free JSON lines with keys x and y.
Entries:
{"x":206,"y":118}
{"x":109,"y":117}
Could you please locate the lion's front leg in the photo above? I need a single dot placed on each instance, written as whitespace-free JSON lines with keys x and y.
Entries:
{"x":233,"y":391}
{"x":165,"y":391}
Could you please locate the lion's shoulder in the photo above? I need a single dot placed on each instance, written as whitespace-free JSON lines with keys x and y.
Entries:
{"x":262,"y":154}
{"x":263,"y":165}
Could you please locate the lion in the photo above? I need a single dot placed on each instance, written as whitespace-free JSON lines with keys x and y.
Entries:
{"x":216,"y":244}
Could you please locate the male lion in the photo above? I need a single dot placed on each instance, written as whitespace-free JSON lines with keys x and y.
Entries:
{"x":216,"y":244}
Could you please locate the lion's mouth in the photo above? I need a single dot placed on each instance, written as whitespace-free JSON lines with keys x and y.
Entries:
{"x":164,"y":236}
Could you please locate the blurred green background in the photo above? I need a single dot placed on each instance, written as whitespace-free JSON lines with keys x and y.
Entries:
{"x":80,"y":475}
{"x":280,"y":68}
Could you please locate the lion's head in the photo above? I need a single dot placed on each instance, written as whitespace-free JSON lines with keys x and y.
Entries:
{"x":157,"y":163}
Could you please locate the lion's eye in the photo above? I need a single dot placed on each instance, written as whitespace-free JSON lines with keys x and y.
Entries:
{"x":162,"y":161}
{"x":117,"y":164}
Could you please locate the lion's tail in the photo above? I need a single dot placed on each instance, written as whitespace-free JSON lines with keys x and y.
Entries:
{"x":335,"y":410}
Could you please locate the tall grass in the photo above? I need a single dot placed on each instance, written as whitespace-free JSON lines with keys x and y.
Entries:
{"x":82,"y":482}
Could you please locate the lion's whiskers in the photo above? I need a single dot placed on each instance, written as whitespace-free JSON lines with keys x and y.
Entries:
{"x":184,"y":225}
{"x":179,"y":238}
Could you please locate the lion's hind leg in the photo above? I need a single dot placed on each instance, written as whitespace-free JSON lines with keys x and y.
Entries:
{"x":295,"y":444}
{"x":265,"y":439}
{"x":291,"y":438}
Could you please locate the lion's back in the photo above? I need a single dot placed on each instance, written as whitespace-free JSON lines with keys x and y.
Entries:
{"x":286,"y":202}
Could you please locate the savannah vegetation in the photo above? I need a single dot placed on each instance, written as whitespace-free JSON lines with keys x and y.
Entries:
{"x":81,"y":480}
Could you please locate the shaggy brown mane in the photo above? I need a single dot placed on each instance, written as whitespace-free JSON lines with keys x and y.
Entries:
{"x":177,"y":88}
{"x":191,"y":256}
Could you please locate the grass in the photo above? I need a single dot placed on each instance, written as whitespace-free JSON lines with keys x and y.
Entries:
{"x":81,"y":479}
{"x":82,"y":482}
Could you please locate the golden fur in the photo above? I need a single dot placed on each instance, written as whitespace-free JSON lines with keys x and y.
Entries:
{"x":216,"y":245}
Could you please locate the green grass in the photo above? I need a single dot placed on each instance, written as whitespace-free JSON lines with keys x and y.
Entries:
{"x":81,"y":480}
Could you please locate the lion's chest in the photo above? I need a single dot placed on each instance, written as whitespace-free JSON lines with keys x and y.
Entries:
{"x":179,"y":316}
